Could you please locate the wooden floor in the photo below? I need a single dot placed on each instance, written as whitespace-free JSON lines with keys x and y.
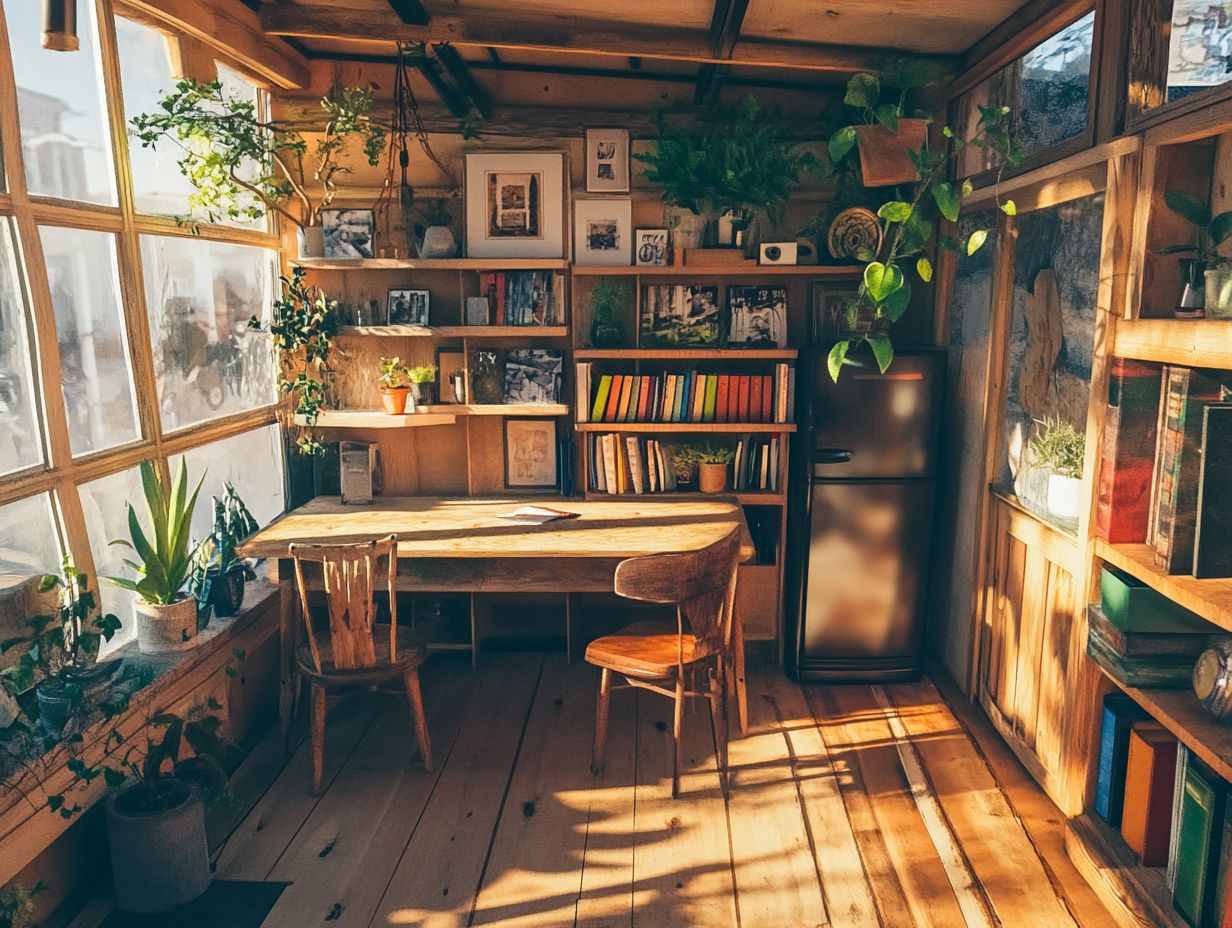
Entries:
{"x":857,"y":805}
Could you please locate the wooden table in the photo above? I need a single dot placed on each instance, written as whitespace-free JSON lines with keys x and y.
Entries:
{"x":463,"y":544}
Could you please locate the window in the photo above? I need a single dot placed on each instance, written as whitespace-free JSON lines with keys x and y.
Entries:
{"x":200,"y":296}
{"x":29,"y":542}
{"x":96,"y":377}
{"x":104,"y":502}
{"x":251,"y":462}
{"x":1200,"y":46}
{"x":21,"y":444}
{"x":62,"y":111}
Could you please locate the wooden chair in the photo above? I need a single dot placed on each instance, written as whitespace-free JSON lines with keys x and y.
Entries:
{"x":360,"y":651}
{"x":668,"y":657}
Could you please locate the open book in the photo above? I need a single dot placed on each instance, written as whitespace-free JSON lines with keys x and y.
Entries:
{"x":538,"y":514}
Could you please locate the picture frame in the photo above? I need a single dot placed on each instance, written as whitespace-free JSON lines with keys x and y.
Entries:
{"x":531,"y":459}
{"x":603,"y":231}
{"x":515,"y":204}
{"x":349,"y":233}
{"x":450,"y":361}
{"x":651,"y":247}
{"x":607,"y":160}
{"x":680,"y":316}
{"x":408,"y":306}
{"x":757,"y":316}
{"x":478,"y":310}
{"x":533,"y":375}
{"x":828,"y":310}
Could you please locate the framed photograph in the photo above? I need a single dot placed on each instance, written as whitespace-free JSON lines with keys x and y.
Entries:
{"x":651,"y":248}
{"x":530,"y":454}
{"x":603,"y":231}
{"x":450,"y":375}
{"x":833,"y":314}
{"x":409,"y":307}
{"x":680,"y":315}
{"x":515,"y":204}
{"x":607,"y":160}
{"x":532,"y":375}
{"x":757,"y":317}
{"x":348,"y":232}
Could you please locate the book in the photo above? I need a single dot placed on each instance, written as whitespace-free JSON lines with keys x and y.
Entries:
{"x":1150,"y":773}
{"x":1168,"y":672}
{"x":767,"y":398}
{"x":1222,"y":915}
{"x":1117,"y":718}
{"x":791,"y":394}
{"x":711,"y":398}
{"x":599,"y":410}
{"x":1213,"y":515}
{"x":633,"y":451}
{"x":582,"y":406}
{"x":622,"y":404}
{"x":1174,"y":836}
{"x":598,"y":475}
{"x":1149,"y":645}
{"x":742,"y":401}
{"x":610,"y":463}
{"x":1127,"y":463}
{"x":652,"y":467}
{"x":721,"y":397}
{"x":697,"y":400}
{"x":1202,"y":812}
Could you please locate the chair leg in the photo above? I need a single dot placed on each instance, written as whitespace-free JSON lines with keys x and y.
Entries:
{"x":677,"y":727}
{"x":415,"y":696}
{"x":714,"y":691}
{"x":600,"y":745}
{"x":297,"y":686}
{"x":318,"y":738}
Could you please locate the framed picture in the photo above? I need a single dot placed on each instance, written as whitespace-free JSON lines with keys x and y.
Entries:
{"x":348,"y":232}
{"x":530,"y":454}
{"x":451,"y":375}
{"x":486,"y":376}
{"x":650,"y":247}
{"x":603,"y":231}
{"x":680,"y":315}
{"x":833,"y":314}
{"x":607,"y":160}
{"x":532,"y":375}
{"x":409,"y":307}
{"x":515,"y":204}
{"x":757,"y":317}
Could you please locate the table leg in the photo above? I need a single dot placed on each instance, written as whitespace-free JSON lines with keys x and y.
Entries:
{"x":474,"y":632}
{"x":742,"y":699}
{"x":568,"y":628}
{"x":288,"y":614}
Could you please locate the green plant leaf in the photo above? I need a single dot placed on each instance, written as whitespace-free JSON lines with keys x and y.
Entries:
{"x":883,"y":350}
{"x":897,"y":302}
{"x":896,"y":211}
{"x":1188,"y":207}
{"x":881,"y":280}
{"x":924,"y":268}
{"x":976,"y":241}
{"x":947,"y":200}
{"x":1010,"y":208}
{"x":838,"y":354}
{"x":887,"y":115}
{"x":863,"y":91}
{"x":841,"y":142}
{"x":1221,"y":227}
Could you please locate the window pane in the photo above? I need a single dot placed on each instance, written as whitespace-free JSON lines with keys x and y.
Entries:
{"x":64,"y":138}
{"x":251,"y":462}
{"x":20,"y":444}
{"x":96,"y":375}
{"x":200,"y":296}
{"x":105,"y":505}
{"x":29,"y":543}
{"x":1200,"y":48}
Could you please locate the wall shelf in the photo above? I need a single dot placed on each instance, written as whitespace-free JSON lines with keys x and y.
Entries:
{"x":685,"y":426}
{"x":496,"y":409}
{"x":376,"y":419}
{"x":454,"y":331}
{"x":1193,"y":343}
{"x":432,"y":264}
{"x":687,"y":354}
{"x":1211,"y":599}
{"x":751,"y":498}
{"x":722,"y":270}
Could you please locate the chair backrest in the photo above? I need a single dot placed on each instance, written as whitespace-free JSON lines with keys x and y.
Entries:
{"x":351,"y":574}
{"x":702,"y":584}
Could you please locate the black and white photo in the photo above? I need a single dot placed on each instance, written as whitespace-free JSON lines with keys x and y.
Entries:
{"x":515,"y":204}
{"x":603,"y":231}
{"x":758,"y":317}
{"x":677,"y":315}
{"x":650,"y":247}
{"x":532,"y":375}
{"x":607,"y":160}
{"x":348,"y":232}
{"x":409,"y":307}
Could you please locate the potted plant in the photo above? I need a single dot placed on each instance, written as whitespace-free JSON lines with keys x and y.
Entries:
{"x":227,"y":572}
{"x":1059,"y":447}
{"x":395,"y":383}
{"x":166,"y":615}
{"x":64,"y":645}
{"x":739,"y":159}
{"x":200,"y":585}
{"x":608,"y":300}
{"x":241,"y":164}
{"x":421,"y":379}
{"x":712,"y":462}
{"x":433,"y":220}
{"x":17,"y":904}
{"x":1207,"y":262}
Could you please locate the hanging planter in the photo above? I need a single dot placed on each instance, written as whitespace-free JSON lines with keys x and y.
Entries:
{"x":885,"y":154}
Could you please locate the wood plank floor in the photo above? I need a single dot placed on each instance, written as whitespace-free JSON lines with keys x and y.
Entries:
{"x":845,"y":806}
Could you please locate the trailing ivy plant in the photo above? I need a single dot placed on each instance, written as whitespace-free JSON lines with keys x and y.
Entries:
{"x":17,"y":904}
{"x":909,"y":222}
{"x":241,"y":164}
{"x":303,"y":323}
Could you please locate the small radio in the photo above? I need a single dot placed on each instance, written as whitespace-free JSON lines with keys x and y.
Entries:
{"x":778,"y":253}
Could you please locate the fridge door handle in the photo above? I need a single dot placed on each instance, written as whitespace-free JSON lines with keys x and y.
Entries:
{"x":832,"y":456}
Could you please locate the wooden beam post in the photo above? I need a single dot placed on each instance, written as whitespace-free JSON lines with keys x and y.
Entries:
{"x":454,"y":63}
{"x":410,"y":12}
{"x":450,"y":95}
{"x":725,"y":25}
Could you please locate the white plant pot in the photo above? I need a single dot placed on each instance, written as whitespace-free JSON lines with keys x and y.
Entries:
{"x":438,"y":242}
{"x":1064,"y":496}
{"x":311,"y":241}
{"x":166,"y":628}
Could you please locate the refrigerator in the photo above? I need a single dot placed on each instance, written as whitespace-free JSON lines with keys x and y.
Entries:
{"x":868,"y":491}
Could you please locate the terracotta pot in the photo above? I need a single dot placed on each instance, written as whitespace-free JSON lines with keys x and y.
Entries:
{"x":394,"y":400}
{"x":885,"y":155}
{"x":311,"y":241}
{"x":712,"y":478}
{"x":160,"y":860}
{"x":172,"y":627}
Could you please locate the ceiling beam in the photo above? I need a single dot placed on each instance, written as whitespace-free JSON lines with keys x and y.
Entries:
{"x":453,"y":98}
{"x":457,"y":68}
{"x":569,"y":35}
{"x":410,"y":12}
{"x":709,"y":79}
{"x":725,"y":25}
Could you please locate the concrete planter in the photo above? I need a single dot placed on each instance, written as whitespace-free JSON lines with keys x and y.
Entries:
{"x":166,"y":628}
{"x":160,"y":860}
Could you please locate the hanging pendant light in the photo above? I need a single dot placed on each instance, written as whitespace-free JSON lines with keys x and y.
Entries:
{"x":60,"y":25}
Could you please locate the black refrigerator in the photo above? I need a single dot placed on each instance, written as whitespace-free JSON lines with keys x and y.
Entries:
{"x":866,"y":491}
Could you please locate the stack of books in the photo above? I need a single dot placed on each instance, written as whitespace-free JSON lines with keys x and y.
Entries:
{"x":523,"y":298}
{"x":687,"y":397}
{"x":621,"y":463}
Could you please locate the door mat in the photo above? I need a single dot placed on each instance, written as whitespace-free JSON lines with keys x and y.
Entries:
{"x":226,"y":904}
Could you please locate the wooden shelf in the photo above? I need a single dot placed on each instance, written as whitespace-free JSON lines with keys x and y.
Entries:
{"x":454,"y":331}
{"x":496,"y":409}
{"x":1193,"y":342}
{"x":722,"y":270}
{"x":688,"y":354}
{"x":1211,"y":599}
{"x":685,"y":426}
{"x":1138,"y":894}
{"x":432,"y":264}
{"x":375,"y":419}
{"x":749,"y":498}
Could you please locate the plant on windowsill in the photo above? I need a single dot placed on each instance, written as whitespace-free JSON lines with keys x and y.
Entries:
{"x":304,"y":322}
{"x":1060,"y":447}
{"x":226,"y":572}
{"x":166,"y":614}
{"x":395,"y":381}
{"x":1207,"y":263}
{"x":242,"y":165}
{"x":421,"y":379}
{"x":63,"y":646}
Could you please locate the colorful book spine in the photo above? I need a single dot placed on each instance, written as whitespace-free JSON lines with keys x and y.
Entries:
{"x":1178,"y":801}
{"x":1150,"y":773}
{"x":721,"y":399}
{"x":1202,"y":812}
{"x":1212,"y":550}
{"x":1127,"y":463}
{"x":1117,"y":719}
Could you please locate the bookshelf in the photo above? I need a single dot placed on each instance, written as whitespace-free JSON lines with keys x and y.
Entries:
{"x":691,"y":427}
{"x":1211,"y":599}
{"x":376,"y":419}
{"x":690,"y":354}
{"x":454,"y":331}
{"x":433,"y":264}
{"x":1192,"y":342}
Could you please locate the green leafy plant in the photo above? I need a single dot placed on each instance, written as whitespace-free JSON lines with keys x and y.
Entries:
{"x":165,"y":558}
{"x":1211,"y":231}
{"x":304,"y":322}
{"x":232,"y":524}
{"x":883,"y":99}
{"x":734,"y":157}
{"x":608,"y":299}
{"x":241,"y":164}
{"x":1059,"y":446}
{"x":17,"y":904}
{"x":909,"y":223}
{"x":393,"y":374}
{"x":425,"y":374}
{"x":685,"y":458}
{"x":64,"y":643}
